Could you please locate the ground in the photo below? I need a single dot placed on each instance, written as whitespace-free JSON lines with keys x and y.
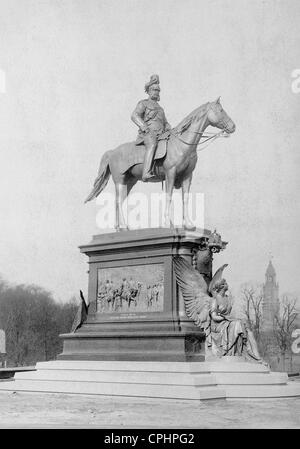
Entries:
{"x":37,"y":410}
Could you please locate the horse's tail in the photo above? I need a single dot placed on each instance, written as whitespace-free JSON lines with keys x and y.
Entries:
{"x":102,"y":178}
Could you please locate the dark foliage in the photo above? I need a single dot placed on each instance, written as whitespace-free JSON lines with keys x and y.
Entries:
{"x":32,"y":321}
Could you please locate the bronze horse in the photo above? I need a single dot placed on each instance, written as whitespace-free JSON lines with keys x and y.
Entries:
{"x":174,"y":162}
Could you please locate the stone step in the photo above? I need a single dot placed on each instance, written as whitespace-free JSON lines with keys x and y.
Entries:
{"x":176,"y":367}
{"x":161,"y":378}
{"x":156,"y":377}
{"x":179,"y":367}
{"x":251,"y":378}
{"x":115,"y":389}
{"x":172,"y":380}
{"x":261,"y":391}
{"x":246,"y":367}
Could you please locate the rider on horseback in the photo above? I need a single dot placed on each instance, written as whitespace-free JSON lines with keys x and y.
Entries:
{"x":150,"y":117}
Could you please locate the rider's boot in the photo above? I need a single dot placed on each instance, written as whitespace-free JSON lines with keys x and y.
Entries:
{"x":147,"y":173}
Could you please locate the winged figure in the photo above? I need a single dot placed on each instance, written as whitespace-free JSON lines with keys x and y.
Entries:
{"x":210,"y":309}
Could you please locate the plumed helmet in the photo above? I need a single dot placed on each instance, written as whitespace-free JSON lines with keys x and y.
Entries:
{"x":154,"y":79}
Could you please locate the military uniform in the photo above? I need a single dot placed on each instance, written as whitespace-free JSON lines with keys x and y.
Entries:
{"x":153,"y":116}
{"x":148,"y":113}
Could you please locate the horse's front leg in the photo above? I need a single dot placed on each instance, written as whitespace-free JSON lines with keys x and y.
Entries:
{"x":186,"y":221}
{"x":170,"y":180}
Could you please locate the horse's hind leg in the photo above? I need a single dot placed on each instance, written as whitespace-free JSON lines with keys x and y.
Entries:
{"x":122,"y":191}
{"x":121,"y":194}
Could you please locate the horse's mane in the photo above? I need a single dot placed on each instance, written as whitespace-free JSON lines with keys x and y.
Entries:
{"x":188,"y":120}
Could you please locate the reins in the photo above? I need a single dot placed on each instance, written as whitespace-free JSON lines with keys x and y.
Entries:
{"x":213,"y":137}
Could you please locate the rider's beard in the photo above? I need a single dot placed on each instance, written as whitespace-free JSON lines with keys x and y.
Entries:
{"x":155,"y":97}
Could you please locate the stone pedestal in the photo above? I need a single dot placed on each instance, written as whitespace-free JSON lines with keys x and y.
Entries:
{"x":149,"y":324}
{"x":143,"y":345}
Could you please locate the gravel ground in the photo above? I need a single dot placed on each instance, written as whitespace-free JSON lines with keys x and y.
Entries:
{"x":37,"y":410}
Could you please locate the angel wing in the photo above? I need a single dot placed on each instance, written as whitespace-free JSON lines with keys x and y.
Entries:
{"x":194,"y":291}
{"x":217,"y":277}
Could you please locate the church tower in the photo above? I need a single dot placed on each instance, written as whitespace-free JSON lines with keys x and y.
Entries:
{"x":270,"y":298}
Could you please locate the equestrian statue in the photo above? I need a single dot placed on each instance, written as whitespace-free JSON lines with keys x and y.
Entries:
{"x":160,"y":153}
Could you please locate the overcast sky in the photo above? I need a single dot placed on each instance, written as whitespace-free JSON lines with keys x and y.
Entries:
{"x":74,"y":71}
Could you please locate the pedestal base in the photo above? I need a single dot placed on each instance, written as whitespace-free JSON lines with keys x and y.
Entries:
{"x":134,"y":345}
{"x":235,"y":379}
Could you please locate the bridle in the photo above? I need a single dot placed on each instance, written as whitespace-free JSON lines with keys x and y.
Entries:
{"x":212,"y":136}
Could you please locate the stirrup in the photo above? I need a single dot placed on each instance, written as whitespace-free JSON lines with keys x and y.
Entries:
{"x":148,"y":176}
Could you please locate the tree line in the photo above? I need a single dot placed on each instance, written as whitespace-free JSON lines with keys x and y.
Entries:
{"x":32,"y":321}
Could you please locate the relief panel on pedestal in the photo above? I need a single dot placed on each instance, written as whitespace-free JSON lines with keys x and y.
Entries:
{"x":130,"y":289}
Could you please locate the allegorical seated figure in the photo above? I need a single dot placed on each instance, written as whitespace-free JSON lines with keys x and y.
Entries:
{"x":226,"y":335}
{"x":210,"y":308}
{"x":150,"y":118}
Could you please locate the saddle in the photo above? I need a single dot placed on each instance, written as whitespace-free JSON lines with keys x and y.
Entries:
{"x":130,"y":154}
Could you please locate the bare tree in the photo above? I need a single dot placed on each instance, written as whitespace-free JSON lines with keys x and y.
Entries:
{"x":284,"y":324}
{"x":17,"y":324}
{"x":252,"y":307}
{"x":32,"y":321}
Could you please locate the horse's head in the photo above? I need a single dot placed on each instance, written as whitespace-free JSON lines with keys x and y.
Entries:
{"x":218,"y":118}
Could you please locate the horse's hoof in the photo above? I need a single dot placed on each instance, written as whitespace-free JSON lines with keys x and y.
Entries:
{"x":119,"y":228}
{"x":188,"y":225}
{"x":189,"y":228}
{"x":168,"y":225}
